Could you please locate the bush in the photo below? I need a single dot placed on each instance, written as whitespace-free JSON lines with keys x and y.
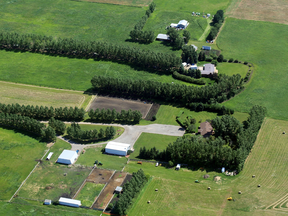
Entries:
{"x":245,"y":62}
{"x":214,"y":62}
{"x":110,"y":206}
{"x":231,"y":60}
{"x":224,"y":60}
{"x":154,"y":118}
{"x":209,"y":59}
{"x":220,"y":58}
{"x":129,"y":152}
{"x":191,"y":128}
{"x":236,"y":61}
{"x":171,"y":164}
{"x":188,"y":79}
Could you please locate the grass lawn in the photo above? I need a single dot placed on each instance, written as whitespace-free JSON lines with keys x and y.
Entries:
{"x":151,"y":140}
{"x":109,"y":161}
{"x":18,"y":154}
{"x":262,"y":44}
{"x":57,"y":149}
{"x":49,"y":182}
{"x":89,"y":192}
{"x":232,"y":68}
{"x":267,"y":162}
{"x":33,"y":95}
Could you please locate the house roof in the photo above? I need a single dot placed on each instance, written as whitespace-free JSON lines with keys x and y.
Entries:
{"x":208,"y":68}
{"x":183,"y":22}
{"x":67,"y":154}
{"x":163,"y":37}
{"x":205,"y":129}
{"x":117,"y":146}
{"x":70,"y":201}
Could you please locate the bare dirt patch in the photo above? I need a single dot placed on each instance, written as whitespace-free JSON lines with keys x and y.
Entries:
{"x":153,"y":111}
{"x":123,"y":2}
{"x":120,"y":104}
{"x":262,"y":10}
{"x":108,"y":192}
{"x":99,"y":176}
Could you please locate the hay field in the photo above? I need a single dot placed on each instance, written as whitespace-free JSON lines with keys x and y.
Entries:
{"x":261,"y":10}
{"x":123,"y":2}
{"x":34,"y":95}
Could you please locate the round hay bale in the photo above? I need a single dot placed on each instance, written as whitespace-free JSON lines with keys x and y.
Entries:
{"x":65,"y":174}
{"x":253,"y":176}
{"x":239,"y":192}
{"x":258,"y":185}
{"x":206,"y":176}
{"x":209,"y":188}
{"x":148,"y":202}
{"x":156,"y":189}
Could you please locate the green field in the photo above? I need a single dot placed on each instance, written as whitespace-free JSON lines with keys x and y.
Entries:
{"x":267,"y":162}
{"x":109,"y":161}
{"x":232,"y":68}
{"x":151,"y":140}
{"x":18,"y":154}
{"x":263,"y":44}
{"x":89,"y":193}
{"x":32,"y":95}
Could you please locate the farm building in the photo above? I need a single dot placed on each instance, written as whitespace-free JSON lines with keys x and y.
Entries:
{"x":163,"y":37}
{"x":47,"y":202}
{"x":206,"y":47}
{"x":118,"y":189}
{"x":205,"y":129}
{"x":178,"y":167}
{"x":67,"y":157}
{"x":117,"y":148}
{"x":49,"y":156}
{"x":208,"y":69}
{"x":173,"y":25}
{"x":182,"y":24}
{"x":69,"y":202}
{"x":193,"y":67}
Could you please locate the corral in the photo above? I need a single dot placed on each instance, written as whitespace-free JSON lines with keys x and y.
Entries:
{"x":120,"y":104}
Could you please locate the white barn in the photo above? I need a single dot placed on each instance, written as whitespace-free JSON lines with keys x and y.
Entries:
{"x":117,"y":148}
{"x":183,"y":24}
{"x":67,"y":157}
{"x":69,"y":202}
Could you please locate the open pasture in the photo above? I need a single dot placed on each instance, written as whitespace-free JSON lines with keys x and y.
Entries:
{"x":261,"y":10}
{"x":33,"y":95}
{"x":18,"y":155}
{"x":263,"y":44}
{"x":123,"y":2}
{"x":120,"y":104}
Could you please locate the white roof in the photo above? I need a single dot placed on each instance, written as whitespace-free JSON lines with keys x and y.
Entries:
{"x":178,"y":165}
{"x":49,"y":155}
{"x":71,"y":201}
{"x":117,"y":146}
{"x":183,"y":22}
{"x":173,"y":24}
{"x":67,"y":154}
{"x":163,"y":37}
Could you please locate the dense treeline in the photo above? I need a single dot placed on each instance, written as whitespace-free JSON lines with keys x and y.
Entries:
{"x":229,"y":147}
{"x":215,"y":107}
{"x":144,"y":36}
{"x":226,"y":88}
{"x":130,"y":191}
{"x":28,"y":124}
{"x":42,"y":113}
{"x":107,"y":115}
{"x":97,"y":50}
{"x":189,"y":79}
{"x":216,"y":24}
{"x":191,"y":72}
{"x":75,"y":132}
{"x":57,"y":125}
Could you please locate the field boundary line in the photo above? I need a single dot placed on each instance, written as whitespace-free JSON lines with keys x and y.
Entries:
{"x":80,"y":188}
{"x":89,"y":104}
{"x":108,"y":204}
{"x":29,"y":175}
{"x":205,"y":31}
{"x":82,"y":101}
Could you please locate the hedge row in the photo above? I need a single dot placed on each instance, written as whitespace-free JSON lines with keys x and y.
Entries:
{"x":188,"y":79}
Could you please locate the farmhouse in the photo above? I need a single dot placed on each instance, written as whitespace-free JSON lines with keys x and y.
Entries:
{"x":67,"y":157}
{"x":163,"y":37}
{"x":205,"y":129}
{"x":208,"y":69}
{"x":69,"y":202}
{"x":117,"y":148}
{"x":206,"y":47}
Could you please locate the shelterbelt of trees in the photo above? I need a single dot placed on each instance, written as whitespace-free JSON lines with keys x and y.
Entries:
{"x":225,"y":88}
{"x":93,"y":49}
{"x":228,"y":147}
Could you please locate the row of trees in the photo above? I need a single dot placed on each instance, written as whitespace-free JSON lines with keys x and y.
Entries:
{"x":97,"y":50}
{"x":214,"y":107}
{"x":28,"y":124}
{"x":130,"y":191}
{"x":144,"y":36}
{"x":75,"y":132}
{"x":226,"y":88}
{"x":216,"y":24}
{"x":228,"y":148}
{"x":57,"y":125}
{"x":43,"y":113}
{"x":189,"y":79}
{"x":107,"y":115}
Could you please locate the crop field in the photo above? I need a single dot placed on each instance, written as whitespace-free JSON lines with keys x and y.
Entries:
{"x":151,"y":140}
{"x":18,"y":157}
{"x":109,"y":161}
{"x":89,"y":193}
{"x":123,"y":2}
{"x":261,"y":43}
{"x":263,"y":10}
{"x":32,"y":95}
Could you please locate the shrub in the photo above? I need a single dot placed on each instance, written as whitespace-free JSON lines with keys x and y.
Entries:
{"x":171,"y":164}
{"x":224,"y":60}
{"x":236,"y":61}
{"x":220,"y":58}
{"x":110,"y":206}
{"x":154,"y":118}
{"x":245,"y":62}
{"x":191,"y":128}
{"x":209,"y":59}
{"x":214,"y":62}
{"x":129,"y":152}
{"x":231,"y":60}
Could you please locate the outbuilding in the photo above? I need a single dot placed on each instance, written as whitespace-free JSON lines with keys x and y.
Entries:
{"x":193,"y":67}
{"x":49,"y":156}
{"x":47,"y":202}
{"x":67,"y":157}
{"x":69,"y":202}
{"x":183,"y":24}
{"x":178,"y":167}
{"x":118,"y":189}
{"x":206,"y":47}
{"x":117,"y":148}
{"x":173,"y":25}
{"x":163,"y":37}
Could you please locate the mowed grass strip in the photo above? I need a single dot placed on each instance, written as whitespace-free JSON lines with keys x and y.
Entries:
{"x":92,"y":154}
{"x":151,"y":140}
{"x":18,"y":153}
{"x":32,"y":95}
{"x":89,"y":193}
{"x":261,"y":43}
{"x":123,"y":2}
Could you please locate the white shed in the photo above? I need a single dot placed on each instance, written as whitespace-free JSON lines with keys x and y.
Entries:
{"x":49,"y":156}
{"x":178,"y":166}
{"x":47,"y":202}
{"x":117,"y":148}
{"x":69,"y":202}
{"x":67,"y":157}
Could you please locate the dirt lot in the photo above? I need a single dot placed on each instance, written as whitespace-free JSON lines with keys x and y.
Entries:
{"x":99,"y":176}
{"x":107,"y":193}
{"x":263,"y":10}
{"x":120,"y":104}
